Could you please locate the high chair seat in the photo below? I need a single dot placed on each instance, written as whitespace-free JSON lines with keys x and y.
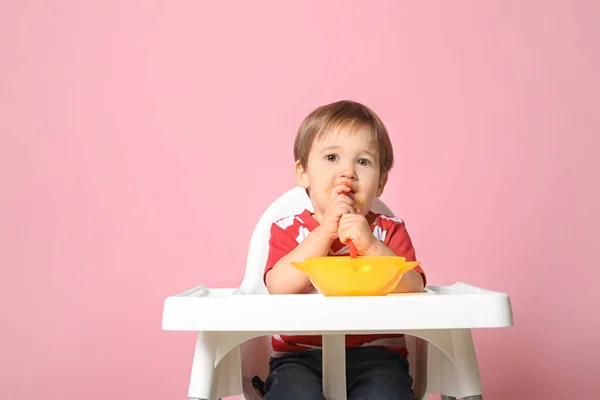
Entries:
{"x":233,"y":342}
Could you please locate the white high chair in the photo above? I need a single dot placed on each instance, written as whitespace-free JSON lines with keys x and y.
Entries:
{"x":233,"y":343}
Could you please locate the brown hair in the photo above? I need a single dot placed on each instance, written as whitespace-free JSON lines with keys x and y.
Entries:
{"x":343,"y":113}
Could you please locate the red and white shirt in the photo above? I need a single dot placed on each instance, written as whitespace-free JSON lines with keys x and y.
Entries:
{"x":288,"y":232}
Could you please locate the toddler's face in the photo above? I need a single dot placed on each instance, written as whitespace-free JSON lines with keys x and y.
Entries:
{"x":342,"y":157}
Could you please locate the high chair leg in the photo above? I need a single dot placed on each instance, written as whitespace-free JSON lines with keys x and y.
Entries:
{"x":334,"y":366}
{"x":203,"y":367}
{"x":460,"y":376}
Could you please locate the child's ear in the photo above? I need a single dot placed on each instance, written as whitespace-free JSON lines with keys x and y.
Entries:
{"x":382,"y":183}
{"x":301,"y":176}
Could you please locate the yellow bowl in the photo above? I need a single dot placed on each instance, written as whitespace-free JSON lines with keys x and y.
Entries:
{"x":361,"y":276}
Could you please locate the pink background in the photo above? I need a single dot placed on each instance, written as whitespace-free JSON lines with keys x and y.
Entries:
{"x":134,"y":133}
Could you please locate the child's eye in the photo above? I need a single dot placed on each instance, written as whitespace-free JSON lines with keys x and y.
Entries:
{"x":331,"y":157}
{"x":364,"y":162}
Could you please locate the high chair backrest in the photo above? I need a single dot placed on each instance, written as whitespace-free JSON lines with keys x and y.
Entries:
{"x":292,"y":202}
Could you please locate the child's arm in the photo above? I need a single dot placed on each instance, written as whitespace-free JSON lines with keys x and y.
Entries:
{"x":411,"y":281}
{"x":286,"y":279}
{"x":397,"y":243}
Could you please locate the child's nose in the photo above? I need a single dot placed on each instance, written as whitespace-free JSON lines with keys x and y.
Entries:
{"x":349,"y":172}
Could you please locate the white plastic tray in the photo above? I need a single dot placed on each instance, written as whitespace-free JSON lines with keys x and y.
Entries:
{"x":440,"y":307}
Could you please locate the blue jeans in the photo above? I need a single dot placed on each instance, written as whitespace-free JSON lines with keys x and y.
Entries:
{"x":372,"y":373}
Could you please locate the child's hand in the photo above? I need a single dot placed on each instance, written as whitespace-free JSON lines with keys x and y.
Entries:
{"x":341,"y":204}
{"x":355,"y":227}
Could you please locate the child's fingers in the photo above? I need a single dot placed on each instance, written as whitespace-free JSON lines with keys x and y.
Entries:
{"x":351,"y":218}
{"x":351,"y":226}
{"x":339,"y":189}
{"x":346,"y":233}
{"x":345,"y":236}
{"x":342,"y":234}
{"x":344,"y":209}
{"x":343,"y":200}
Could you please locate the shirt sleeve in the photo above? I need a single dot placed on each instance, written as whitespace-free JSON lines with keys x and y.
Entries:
{"x":280,"y":244}
{"x":398,"y":240}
